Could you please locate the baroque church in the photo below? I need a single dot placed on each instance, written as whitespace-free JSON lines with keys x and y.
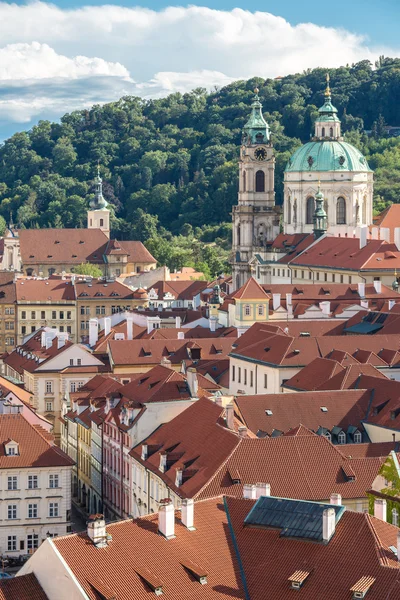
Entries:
{"x":328,"y":186}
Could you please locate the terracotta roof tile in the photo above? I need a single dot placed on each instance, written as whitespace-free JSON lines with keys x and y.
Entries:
{"x":42,"y":290}
{"x":251,"y":290}
{"x":24,"y":587}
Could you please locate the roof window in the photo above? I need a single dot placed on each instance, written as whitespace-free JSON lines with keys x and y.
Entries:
{"x":298,"y":578}
{"x":198,"y":572}
{"x":362,"y":586}
{"x":154,"y":583}
{"x":268,"y":412}
{"x":324,"y":409}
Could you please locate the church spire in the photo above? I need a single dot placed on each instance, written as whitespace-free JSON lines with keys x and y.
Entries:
{"x":256,"y":130}
{"x":327,"y":124}
{"x":99,"y":201}
{"x":320,"y":218}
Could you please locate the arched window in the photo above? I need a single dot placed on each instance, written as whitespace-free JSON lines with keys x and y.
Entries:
{"x":260,"y":181}
{"x":310,"y":210}
{"x":289,"y":211}
{"x":357,"y":437}
{"x":341,"y":211}
{"x":29,"y":272}
{"x":364,"y":211}
{"x":395,"y":517}
{"x":341,"y":437}
{"x":323,"y":132}
{"x":244,"y":181}
{"x":331,"y":132}
{"x":328,"y":436}
{"x":238,"y":235}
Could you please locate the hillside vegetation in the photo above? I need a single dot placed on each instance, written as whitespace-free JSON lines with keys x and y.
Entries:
{"x":170,"y":165}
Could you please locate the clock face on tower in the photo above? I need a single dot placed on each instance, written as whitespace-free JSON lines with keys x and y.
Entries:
{"x":260,"y":154}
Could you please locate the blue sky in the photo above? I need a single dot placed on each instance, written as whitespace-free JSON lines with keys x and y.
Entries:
{"x":58,"y":57}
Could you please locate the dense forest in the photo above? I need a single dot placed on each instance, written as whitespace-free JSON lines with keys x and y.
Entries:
{"x":169,"y":165}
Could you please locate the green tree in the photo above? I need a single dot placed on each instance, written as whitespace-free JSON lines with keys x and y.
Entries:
{"x":88,"y":269}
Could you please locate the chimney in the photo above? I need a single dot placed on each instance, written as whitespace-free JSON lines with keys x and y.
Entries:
{"x":163,"y":462}
{"x":328,"y":524}
{"x":242,"y":431}
{"x":363,"y":236}
{"x":187,"y":513}
{"x":289,"y":305}
{"x":181,"y":335}
{"x":129,"y":327}
{"x":364,"y":304}
{"x":96,"y":530}
{"x":107,"y":325}
{"x":49,"y":342}
{"x":391,"y":304}
{"x":378,"y":287}
{"x":144,"y":452}
{"x":336,"y":499}
{"x":166,"y":518}
{"x":380,"y":509}
{"x":325,"y":306}
{"x":178,"y":477}
{"x":276,"y":301}
{"x":178,"y":322}
{"x":229,"y":414}
{"x":397,"y":237}
{"x":61,"y":339}
{"x":43,"y":339}
{"x":212,"y":321}
{"x":93,"y":332}
{"x":191,"y":377}
{"x":263,"y":489}
{"x":361,"y":289}
{"x":249,"y":491}
{"x":398,"y":546}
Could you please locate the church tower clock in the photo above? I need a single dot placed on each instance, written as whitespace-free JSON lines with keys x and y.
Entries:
{"x":255,"y":219}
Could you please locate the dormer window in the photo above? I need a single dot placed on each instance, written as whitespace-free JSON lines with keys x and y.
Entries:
{"x":11,"y":448}
{"x":357,"y":437}
{"x":341,"y":437}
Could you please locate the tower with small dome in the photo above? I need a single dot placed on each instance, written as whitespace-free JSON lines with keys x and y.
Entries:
{"x":346,"y":180}
{"x":99,"y":214}
{"x":255,"y":219}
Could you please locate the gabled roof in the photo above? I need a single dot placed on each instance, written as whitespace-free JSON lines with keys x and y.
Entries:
{"x":181,"y":290}
{"x":389,"y":218}
{"x":251,"y":290}
{"x":23,"y":587}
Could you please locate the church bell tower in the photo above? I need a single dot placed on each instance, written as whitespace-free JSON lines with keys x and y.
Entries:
{"x":99,"y":214}
{"x":256,"y":218}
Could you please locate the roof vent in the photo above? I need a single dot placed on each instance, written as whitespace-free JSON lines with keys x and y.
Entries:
{"x":362,"y":586}
{"x":154,"y":583}
{"x":268,"y":412}
{"x":296,"y":351}
{"x":298,"y":578}
{"x":198,"y":572}
{"x":324,"y":409}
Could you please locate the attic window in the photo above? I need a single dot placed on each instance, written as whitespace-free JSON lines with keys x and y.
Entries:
{"x":324,"y":409}
{"x":198,"y":572}
{"x":57,"y":242}
{"x":11,"y":448}
{"x":49,"y":256}
{"x":268,"y":412}
{"x":362,"y":586}
{"x":298,"y":578}
{"x":31,"y":256}
{"x":81,"y":242}
{"x":154,"y":583}
{"x":114,"y":294}
{"x":74,"y":256}
{"x":99,"y":294}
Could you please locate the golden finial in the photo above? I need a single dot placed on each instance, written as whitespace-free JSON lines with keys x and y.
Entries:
{"x":328,"y":89}
{"x":256,"y":90}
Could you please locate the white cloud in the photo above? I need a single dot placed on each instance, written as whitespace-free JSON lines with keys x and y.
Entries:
{"x":104,"y":49}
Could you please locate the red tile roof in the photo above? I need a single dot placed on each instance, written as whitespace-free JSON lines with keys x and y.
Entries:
{"x":20,"y":360}
{"x":343,"y":408}
{"x":389,"y":218}
{"x":7,"y":288}
{"x":98,"y":289}
{"x":44,"y":290}
{"x":359,"y":547}
{"x":35,"y":451}
{"x":181,"y":290}
{"x":117,"y":566}
{"x":24,"y":587}
{"x":137,"y":252}
{"x":251,"y":290}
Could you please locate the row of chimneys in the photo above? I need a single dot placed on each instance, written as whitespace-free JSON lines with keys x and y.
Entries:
{"x":47,"y":338}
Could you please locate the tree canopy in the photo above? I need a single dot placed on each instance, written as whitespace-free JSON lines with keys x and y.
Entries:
{"x":169,"y":165}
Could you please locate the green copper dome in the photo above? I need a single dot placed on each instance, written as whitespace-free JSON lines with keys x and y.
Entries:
{"x":332,"y":155}
{"x":256,"y":130}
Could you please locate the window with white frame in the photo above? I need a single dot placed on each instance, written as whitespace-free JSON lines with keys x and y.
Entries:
{"x":328,"y":436}
{"x":72,"y":386}
{"x":53,"y":509}
{"x":342,"y":437}
{"x":53,"y":481}
{"x":32,"y":511}
{"x":260,"y":310}
{"x":12,"y":543}
{"x":49,"y":387}
{"x":32,"y":482}
{"x":32,"y":541}
{"x":49,"y":406}
{"x":12,"y":511}
{"x":265,"y":381}
{"x":12,"y":482}
{"x":79,"y":362}
{"x":247,"y":310}
{"x":395,"y":517}
{"x":357,"y":437}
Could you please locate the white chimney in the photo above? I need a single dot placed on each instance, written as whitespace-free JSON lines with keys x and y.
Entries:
{"x":144,"y":452}
{"x":242,"y":431}
{"x":163,"y":462}
{"x":249,"y":491}
{"x":361,"y":289}
{"x":49,"y":342}
{"x":61,"y":339}
{"x":187,"y":513}
{"x":181,"y":335}
{"x":93,"y":332}
{"x":212,"y":323}
{"x":328,"y":524}
{"x":191,"y":377}
{"x":325,"y":306}
{"x":263,"y":489}
{"x":178,"y":322}
{"x":229,"y":414}
{"x":178,"y":477}
{"x":364,"y":304}
{"x":129,"y":327}
{"x":363,"y":236}
{"x":397,"y":237}
{"x":398,"y":546}
{"x":43,"y":339}
{"x":289,"y":305}
{"x":107,"y":325}
{"x":336,"y":499}
{"x":166,"y":519}
{"x":96,"y":530}
{"x":391,"y":304}
{"x":380,"y":509}
{"x":276,"y":301}
{"x":378,"y":287}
